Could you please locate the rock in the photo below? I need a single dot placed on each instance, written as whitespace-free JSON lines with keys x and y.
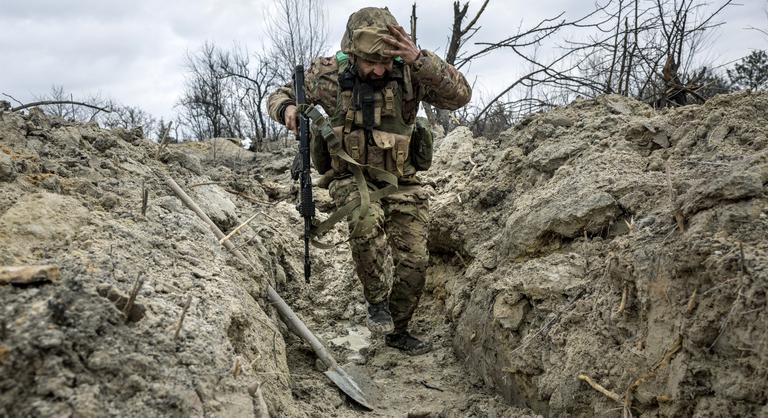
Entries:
{"x":170,"y":203}
{"x":216,"y":204}
{"x":104,"y":143}
{"x":40,"y":220}
{"x":7,"y":168}
{"x":509,"y":310}
{"x":184,"y":159}
{"x":567,"y":214}
{"x":29,"y":274}
{"x":552,"y":154}
{"x":109,"y":201}
{"x":736,"y":185}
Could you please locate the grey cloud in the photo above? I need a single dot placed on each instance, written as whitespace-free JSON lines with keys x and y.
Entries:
{"x":134,"y":51}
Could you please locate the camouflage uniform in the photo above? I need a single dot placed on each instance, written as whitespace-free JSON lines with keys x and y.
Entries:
{"x":398,"y":221}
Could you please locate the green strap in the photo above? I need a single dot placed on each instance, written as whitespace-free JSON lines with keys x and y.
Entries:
{"x":366,"y":197}
{"x":346,"y":210}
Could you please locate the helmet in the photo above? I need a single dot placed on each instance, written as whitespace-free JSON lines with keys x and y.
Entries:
{"x":365,"y":30}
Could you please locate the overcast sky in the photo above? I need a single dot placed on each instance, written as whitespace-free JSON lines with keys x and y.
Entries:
{"x":133,"y":51}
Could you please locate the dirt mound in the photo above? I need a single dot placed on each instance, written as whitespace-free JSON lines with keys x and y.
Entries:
{"x":602,"y":243}
{"x":71,"y":195}
{"x":613,"y":242}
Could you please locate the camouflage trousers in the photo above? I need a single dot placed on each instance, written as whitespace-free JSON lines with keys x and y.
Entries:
{"x":397,"y":224}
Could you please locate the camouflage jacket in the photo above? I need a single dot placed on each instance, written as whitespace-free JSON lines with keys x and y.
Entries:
{"x":433,"y":81}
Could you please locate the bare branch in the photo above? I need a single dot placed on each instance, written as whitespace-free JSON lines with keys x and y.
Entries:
{"x":51,"y":102}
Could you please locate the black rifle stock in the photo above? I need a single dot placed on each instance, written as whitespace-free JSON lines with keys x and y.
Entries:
{"x":307,"y":204}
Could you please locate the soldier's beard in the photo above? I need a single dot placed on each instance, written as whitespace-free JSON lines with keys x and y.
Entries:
{"x":377,"y":82}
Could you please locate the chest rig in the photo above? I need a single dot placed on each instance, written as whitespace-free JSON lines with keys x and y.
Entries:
{"x":365,"y":135}
{"x":369,"y":121}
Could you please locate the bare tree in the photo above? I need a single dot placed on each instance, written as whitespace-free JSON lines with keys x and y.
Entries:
{"x":254,"y":78}
{"x":461,"y":33}
{"x":208,"y":104}
{"x":129,"y":117}
{"x":639,"y":48}
{"x":298,"y":31}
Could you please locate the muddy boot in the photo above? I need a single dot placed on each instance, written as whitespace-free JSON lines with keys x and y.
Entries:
{"x":407,"y":343}
{"x":379,"y":319}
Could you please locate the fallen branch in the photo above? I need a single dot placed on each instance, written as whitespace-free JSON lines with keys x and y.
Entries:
{"x":12,"y":98}
{"x":52,"y":102}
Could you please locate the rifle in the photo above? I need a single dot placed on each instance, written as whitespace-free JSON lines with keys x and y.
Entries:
{"x":306,"y":206}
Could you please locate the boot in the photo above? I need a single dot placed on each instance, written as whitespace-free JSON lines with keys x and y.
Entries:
{"x":379,"y":318}
{"x":407,"y":343}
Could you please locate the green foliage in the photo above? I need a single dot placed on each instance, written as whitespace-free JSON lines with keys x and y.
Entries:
{"x":751,"y":72}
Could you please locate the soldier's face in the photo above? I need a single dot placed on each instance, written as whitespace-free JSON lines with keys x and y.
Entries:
{"x":370,"y":70}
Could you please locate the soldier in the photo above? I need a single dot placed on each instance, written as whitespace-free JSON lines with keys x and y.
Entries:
{"x":371,"y":91}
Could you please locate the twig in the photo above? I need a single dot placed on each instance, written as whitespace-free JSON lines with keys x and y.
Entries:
{"x":546,"y":325}
{"x":181,"y":317}
{"x":248,"y":197}
{"x":144,"y":199}
{"x":727,"y":317}
{"x":12,"y":98}
{"x":237,"y":367}
{"x":204,"y":184}
{"x":600,"y":388}
{"x":236,"y":230}
{"x":428,"y":386}
{"x":50,"y":102}
{"x":742,"y":260}
{"x":650,"y":374}
{"x":260,"y":409}
{"x":163,"y":140}
{"x":623,"y":303}
{"x":691,"y":302}
{"x":706,"y":163}
{"x":132,"y":296}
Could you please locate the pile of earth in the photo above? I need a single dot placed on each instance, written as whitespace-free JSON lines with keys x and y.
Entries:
{"x":606,"y":258}
{"x":92,"y":204}
{"x":71,"y":195}
{"x":600,"y":259}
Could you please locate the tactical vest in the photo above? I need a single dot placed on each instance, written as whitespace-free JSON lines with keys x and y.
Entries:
{"x":370,"y":122}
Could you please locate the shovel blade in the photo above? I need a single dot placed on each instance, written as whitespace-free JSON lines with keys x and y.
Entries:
{"x":347,"y":384}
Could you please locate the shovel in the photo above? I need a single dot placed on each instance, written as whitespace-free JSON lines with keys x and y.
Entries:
{"x":336,"y":373}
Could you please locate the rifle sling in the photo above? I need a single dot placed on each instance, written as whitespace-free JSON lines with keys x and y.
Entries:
{"x":366,"y":197}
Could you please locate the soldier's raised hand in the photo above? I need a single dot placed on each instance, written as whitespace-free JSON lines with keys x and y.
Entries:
{"x":291,"y":118}
{"x":402,"y":44}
